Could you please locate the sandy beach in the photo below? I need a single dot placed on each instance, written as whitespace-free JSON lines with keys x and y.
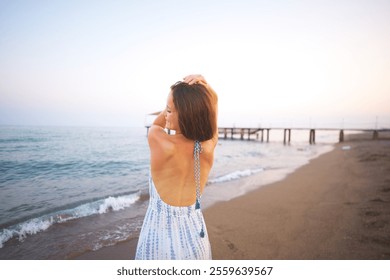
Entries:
{"x":335,"y":207}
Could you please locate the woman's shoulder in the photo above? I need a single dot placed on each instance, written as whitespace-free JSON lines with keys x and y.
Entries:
{"x":159,"y":139}
{"x":163,"y":143}
{"x":208,"y":148}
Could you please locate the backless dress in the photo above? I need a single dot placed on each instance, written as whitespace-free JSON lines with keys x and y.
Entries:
{"x":174,"y":232}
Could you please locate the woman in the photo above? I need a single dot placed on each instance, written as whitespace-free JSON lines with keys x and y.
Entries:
{"x":173,"y":227}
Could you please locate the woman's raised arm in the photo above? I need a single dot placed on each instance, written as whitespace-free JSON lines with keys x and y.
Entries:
{"x":160,"y":120}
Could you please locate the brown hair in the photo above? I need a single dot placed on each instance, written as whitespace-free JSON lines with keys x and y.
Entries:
{"x":196,"y":113}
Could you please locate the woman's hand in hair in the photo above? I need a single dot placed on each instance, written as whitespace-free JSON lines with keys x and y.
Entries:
{"x":199,"y":79}
{"x":195,"y":79}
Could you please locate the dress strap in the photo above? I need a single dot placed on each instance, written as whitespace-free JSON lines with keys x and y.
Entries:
{"x":197,"y":151}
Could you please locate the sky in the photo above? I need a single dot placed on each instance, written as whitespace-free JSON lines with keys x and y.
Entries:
{"x":110,"y":63}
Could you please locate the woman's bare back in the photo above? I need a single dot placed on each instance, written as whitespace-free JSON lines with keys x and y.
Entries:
{"x":172,"y":167}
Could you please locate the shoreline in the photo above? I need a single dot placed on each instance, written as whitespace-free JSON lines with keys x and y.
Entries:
{"x":334,"y":207}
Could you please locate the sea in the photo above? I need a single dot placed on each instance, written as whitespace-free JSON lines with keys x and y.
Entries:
{"x":65,"y":191}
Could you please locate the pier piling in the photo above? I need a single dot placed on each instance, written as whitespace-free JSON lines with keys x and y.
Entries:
{"x":312,"y":136}
{"x":341,"y":136}
{"x":287,"y":132}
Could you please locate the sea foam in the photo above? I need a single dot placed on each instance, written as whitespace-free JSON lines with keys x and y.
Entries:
{"x":35,"y":225}
{"x":235,"y":175}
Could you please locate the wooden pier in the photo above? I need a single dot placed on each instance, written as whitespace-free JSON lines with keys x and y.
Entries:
{"x":246,"y":133}
{"x":264,"y":133}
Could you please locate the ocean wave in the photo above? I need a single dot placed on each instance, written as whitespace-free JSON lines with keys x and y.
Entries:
{"x":116,"y":204}
{"x":35,"y":225}
{"x":22,"y":140}
{"x":235,"y":175}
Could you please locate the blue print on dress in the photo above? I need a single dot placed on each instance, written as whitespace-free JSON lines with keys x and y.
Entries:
{"x":171,"y":232}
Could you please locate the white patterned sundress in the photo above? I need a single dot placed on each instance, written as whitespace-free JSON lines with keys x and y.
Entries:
{"x":173,"y":232}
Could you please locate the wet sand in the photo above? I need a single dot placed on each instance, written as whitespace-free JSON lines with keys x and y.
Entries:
{"x":335,"y":207}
